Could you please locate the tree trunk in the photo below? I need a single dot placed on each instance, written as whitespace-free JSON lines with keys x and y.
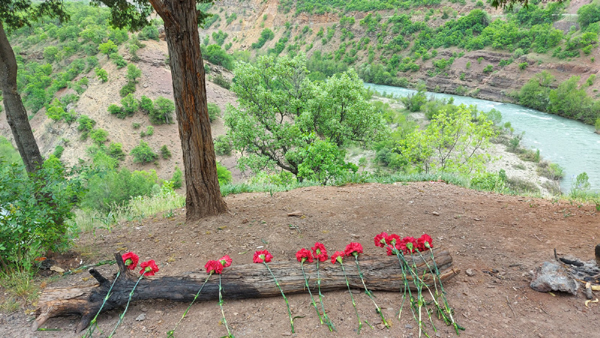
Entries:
{"x":381,"y":273}
{"x":15,"y":111}
{"x":203,"y":195}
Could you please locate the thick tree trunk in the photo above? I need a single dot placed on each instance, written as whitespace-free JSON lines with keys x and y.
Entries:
{"x":381,"y":273}
{"x":203,"y":195}
{"x":15,"y":111}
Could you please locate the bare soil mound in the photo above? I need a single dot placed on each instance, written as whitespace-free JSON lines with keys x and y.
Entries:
{"x":499,"y":238}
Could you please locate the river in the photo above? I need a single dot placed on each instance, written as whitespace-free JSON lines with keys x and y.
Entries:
{"x":571,"y":144}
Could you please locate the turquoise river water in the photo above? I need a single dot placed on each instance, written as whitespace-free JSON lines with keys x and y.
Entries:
{"x":571,"y":144}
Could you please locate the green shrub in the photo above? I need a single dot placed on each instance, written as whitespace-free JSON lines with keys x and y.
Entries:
{"x":136,"y":125}
{"x":219,"y":80}
{"x":479,"y":59}
{"x":99,"y":136}
{"x":58,"y":151}
{"x":50,"y":53}
{"x":597,"y":124}
{"x":111,"y":188}
{"x":116,"y":110}
{"x":130,"y":105}
{"x":265,"y":36}
{"x":127,"y":89}
{"x":163,"y":111}
{"x":222,"y":145}
{"x":165,"y":152}
{"x":551,"y":171}
{"x":523,"y":65}
{"x":108,"y":47}
{"x":118,"y":60}
{"x":101,"y":74}
{"x":177,"y":178}
{"x":115,"y":150}
{"x":213,"y":111}
{"x":223,"y":174}
{"x":488,"y":69}
{"x":142,"y":153}
{"x":149,"y":131}
{"x":146,"y":104}
{"x":133,"y":73}
{"x":149,"y":33}
{"x":36,"y":210}
{"x":86,"y":124}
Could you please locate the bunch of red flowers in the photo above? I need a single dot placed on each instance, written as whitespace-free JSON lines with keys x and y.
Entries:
{"x":405,"y":245}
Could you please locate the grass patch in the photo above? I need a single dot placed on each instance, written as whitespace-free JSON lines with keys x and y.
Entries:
{"x":550,"y":170}
{"x":521,"y":186}
{"x":20,"y":289}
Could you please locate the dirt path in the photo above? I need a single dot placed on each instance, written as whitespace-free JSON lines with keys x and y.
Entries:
{"x":485,"y":232}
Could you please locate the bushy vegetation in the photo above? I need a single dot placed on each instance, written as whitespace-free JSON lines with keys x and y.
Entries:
{"x":142,"y":153}
{"x":213,"y":111}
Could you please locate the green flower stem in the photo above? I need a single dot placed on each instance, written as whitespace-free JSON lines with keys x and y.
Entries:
{"x":420,"y":300}
{"x":171,"y":333}
{"x":435,"y":275}
{"x":413,"y":305}
{"x":126,"y":307}
{"x":93,"y":324}
{"x":351,"y":297}
{"x":325,"y":317}
{"x":229,"y":335}
{"x":310,"y":293}
{"x":284,"y":297}
{"x":369,"y":293}
{"x":447,"y":306}
{"x":404,"y":267}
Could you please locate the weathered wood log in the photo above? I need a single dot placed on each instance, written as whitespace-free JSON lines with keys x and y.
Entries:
{"x":381,"y":273}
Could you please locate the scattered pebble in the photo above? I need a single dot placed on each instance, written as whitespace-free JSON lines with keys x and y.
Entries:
{"x":141,"y":317}
{"x":470,"y":272}
{"x":435,"y":213}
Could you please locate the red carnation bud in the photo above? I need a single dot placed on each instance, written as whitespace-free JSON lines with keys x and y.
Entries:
{"x":380,"y":239}
{"x":304,"y":255}
{"x":353,"y":249}
{"x":337,"y":256}
{"x":260,"y":256}
{"x":131,"y":260}
{"x":213,"y":267}
{"x":225,"y":261}
{"x":319,"y":252}
{"x":149,"y":268}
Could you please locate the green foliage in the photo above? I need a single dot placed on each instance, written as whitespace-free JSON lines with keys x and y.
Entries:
{"x":101,"y":74}
{"x":118,"y":60}
{"x":213,"y":111}
{"x":165,"y":152}
{"x":142,"y":153}
{"x":177,"y":179}
{"x":36,"y":209}
{"x":597,"y":124}
{"x":488,"y":69}
{"x":108,"y":47}
{"x":149,"y":131}
{"x":55,"y":111}
{"x":115,"y":150}
{"x":146,"y":104}
{"x":133,"y":73}
{"x":163,"y":111}
{"x":276,"y":95}
{"x":523,"y":65}
{"x":110,"y":188}
{"x":321,"y":161}
{"x":127,"y":89}
{"x":149,"y":33}
{"x":490,"y":182}
{"x":224,"y":175}
{"x":429,"y":150}
{"x":215,"y":54}
{"x":219,"y":37}
{"x":50,"y":53}
{"x":414,"y":102}
{"x":220,"y":80}
{"x":86,"y":124}
{"x":99,"y":136}
{"x":58,"y":151}
{"x":130,"y":105}
{"x":588,"y":14}
{"x":222,"y":145}
{"x":265,"y":36}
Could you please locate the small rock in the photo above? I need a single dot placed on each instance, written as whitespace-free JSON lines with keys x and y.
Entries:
{"x":286,"y":334}
{"x":470,"y":272}
{"x":408,"y":326}
{"x":354,"y":235}
{"x":159,"y":312}
{"x":435,"y":213}
{"x":380,"y":326}
{"x":57,"y":269}
{"x":141,"y":317}
{"x":552,"y":277}
{"x":144,"y":309}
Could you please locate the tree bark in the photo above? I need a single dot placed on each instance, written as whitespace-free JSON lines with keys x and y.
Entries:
{"x":203,"y":195}
{"x":381,"y":273}
{"x":15,"y":111}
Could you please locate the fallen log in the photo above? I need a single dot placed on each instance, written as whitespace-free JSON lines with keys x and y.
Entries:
{"x":381,"y":273}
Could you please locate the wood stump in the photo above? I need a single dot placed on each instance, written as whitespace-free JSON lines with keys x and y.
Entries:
{"x":381,"y":273}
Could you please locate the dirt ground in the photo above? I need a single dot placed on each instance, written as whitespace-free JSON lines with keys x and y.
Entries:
{"x":501,"y":238}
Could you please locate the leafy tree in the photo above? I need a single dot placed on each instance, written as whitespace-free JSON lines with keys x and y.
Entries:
{"x":280,"y":108}
{"x":142,"y":153}
{"x":50,"y":53}
{"x":213,"y":111}
{"x":133,"y":73}
{"x":102,"y":74}
{"x":99,"y":136}
{"x":265,"y":36}
{"x":130,"y":105}
{"x":165,"y":152}
{"x":450,"y":143}
{"x":115,"y":150}
{"x":108,"y":47}
{"x":146,"y":104}
{"x":86,"y":124}
{"x":177,"y":178}
{"x":163,"y":111}
{"x":588,"y":14}
{"x":149,"y":33}
{"x":215,"y":54}
{"x":118,"y":60}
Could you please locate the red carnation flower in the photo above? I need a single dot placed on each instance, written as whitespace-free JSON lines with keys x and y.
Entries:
{"x":319,"y":252}
{"x":260,"y":256}
{"x":149,"y":268}
{"x":336,"y":255}
{"x":225,"y":261}
{"x":380,"y":239}
{"x":304,"y":255}
{"x":425,"y":238}
{"x":390,"y":251}
{"x":404,"y":244}
{"x":392,"y":239}
{"x":214,"y":267}
{"x":353,"y":249}
{"x":131,"y":260}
